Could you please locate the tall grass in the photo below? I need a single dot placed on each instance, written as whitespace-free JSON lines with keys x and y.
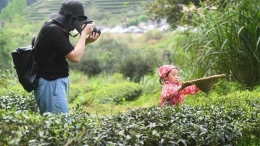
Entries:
{"x":227,"y":41}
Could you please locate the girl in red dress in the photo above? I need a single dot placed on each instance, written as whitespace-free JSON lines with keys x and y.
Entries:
{"x":173,"y":92}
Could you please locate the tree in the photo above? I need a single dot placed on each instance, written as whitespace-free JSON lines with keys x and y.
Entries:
{"x":173,"y":10}
{"x":30,"y":2}
{"x":142,"y":18}
{"x":6,"y":45}
{"x":3,"y":3}
{"x":15,"y":31}
{"x":14,"y":7}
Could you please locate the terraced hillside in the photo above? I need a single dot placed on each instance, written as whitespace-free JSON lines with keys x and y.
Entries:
{"x":42,"y":8}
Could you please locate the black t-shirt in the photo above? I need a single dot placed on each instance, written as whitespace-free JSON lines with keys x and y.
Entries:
{"x":56,"y":42}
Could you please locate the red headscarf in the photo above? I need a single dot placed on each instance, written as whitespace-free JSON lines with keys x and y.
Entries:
{"x":163,"y":70}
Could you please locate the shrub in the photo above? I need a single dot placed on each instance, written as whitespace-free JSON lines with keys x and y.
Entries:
{"x":78,"y":89}
{"x":142,"y":18}
{"x":214,"y":122}
{"x":3,"y":79}
{"x":112,"y":93}
{"x":13,"y":101}
{"x":133,"y":21}
{"x":88,"y":66}
{"x":153,"y":35}
{"x":257,"y":89}
{"x":6,"y":45}
{"x":14,"y":90}
{"x":224,"y":87}
{"x":104,"y":56}
{"x":134,"y":68}
{"x":136,"y":65}
{"x":25,"y":128}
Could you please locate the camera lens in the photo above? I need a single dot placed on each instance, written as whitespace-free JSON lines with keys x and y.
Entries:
{"x":96,"y":30}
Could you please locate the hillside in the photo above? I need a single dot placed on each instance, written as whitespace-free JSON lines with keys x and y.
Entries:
{"x":97,"y":9}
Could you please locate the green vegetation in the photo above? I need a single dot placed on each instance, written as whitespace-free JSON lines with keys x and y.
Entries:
{"x":115,"y":91}
{"x":104,"y":12}
{"x":227,"y":41}
{"x":13,"y":8}
{"x":101,"y":11}
{"x":202,"y":120}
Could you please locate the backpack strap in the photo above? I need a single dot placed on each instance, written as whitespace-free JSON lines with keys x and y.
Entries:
{"x":40,"y":36}
{"x":33,"y":41}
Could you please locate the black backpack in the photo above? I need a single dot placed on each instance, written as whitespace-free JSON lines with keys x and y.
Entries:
{"x":25,"y":64}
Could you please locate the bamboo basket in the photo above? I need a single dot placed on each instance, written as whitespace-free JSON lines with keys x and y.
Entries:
{"x":204,"y":84}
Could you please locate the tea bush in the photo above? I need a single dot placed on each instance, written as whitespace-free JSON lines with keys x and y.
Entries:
{"x":25,"y":128}
{"x":3,"y":80}
{"x":12,"y":101}
{"x":224,"y":117}
{"x":214,"y":124}
{"x":243,"y":105}
{"x":224,"y":87}
{"x":78,"y":89}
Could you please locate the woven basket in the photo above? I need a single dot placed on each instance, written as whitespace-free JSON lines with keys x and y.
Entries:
{"x":205,"y":84}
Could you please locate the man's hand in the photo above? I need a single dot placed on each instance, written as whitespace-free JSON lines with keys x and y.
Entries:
{"x":87,"y":29}
{"x":91,"y":38}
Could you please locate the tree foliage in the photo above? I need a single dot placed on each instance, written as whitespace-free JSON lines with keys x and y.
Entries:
{"x":6,"y":44}
{"x":14,"y":7}
{"x":15,"y":31}
{"x":30,"y":2}
{"x":172,"y":10}
{"x":109,"y":55}
{"x":101,"y":57}
{"x":176,"y":10}
{"x":3,"y":3}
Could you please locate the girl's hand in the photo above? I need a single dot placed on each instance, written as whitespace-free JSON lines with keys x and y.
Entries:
{"x":185,"y":84}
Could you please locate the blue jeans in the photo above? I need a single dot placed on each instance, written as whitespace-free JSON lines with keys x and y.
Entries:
{"x":51,"y":96}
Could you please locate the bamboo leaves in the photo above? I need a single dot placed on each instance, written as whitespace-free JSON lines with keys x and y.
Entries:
{"x":228,"y":39}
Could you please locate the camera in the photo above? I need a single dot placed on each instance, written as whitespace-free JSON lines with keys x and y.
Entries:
{"x":95,"y":29}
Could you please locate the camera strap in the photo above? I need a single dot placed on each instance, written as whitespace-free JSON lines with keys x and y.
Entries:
{"x":78,"y":32}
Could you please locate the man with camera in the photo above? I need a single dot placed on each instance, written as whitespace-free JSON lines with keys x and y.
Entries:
{"x":54,"y":49}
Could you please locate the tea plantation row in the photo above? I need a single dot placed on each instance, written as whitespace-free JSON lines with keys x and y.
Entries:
{"x":231,"y":119}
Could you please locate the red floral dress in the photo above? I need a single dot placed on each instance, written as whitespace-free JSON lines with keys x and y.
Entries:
{"x":172,"y":96}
